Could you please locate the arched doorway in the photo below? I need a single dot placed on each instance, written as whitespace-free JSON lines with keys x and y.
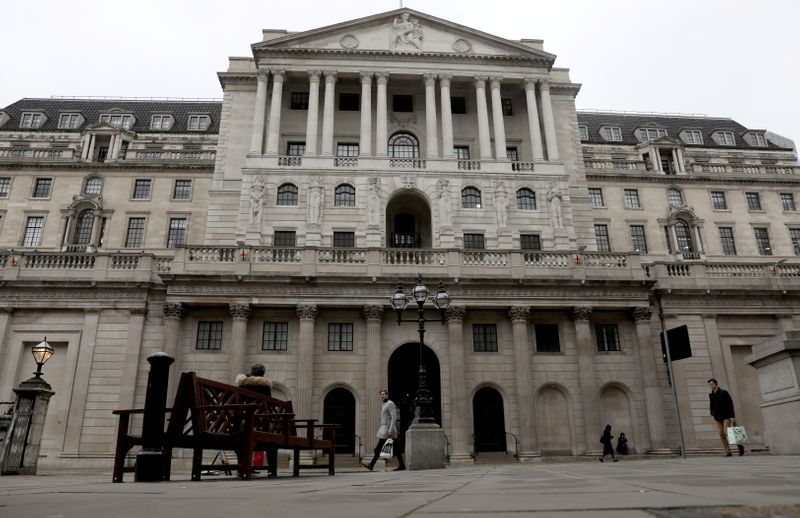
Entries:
{"x":488,"y":420}
{"x":403,"y":381}
{"x":615,"y":409}
{"x":408,"y":221}
{"x":340,"y":408}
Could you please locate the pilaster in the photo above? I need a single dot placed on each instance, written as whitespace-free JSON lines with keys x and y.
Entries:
{"x":240,"y":313}
{"x":586,"y":376}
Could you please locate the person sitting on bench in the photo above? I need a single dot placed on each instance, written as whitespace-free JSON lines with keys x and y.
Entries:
{"x":256,"y":380}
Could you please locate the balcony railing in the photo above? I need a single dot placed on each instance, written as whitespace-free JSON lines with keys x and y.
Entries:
{"x":744,"y":169}
{"x":36,"y":154}
{"x":369,"y":163}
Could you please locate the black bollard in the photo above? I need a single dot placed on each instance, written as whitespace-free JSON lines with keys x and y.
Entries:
{"x":150,"y":460}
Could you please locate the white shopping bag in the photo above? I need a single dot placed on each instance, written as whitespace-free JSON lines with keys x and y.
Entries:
{"x":388,"y":449}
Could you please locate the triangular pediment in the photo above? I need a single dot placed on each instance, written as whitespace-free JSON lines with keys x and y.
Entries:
{"x":404,"y":31}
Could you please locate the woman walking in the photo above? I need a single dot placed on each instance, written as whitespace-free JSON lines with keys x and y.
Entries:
{"x":605,"y":440}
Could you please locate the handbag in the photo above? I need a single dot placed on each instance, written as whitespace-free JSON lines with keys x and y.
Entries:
{"x":737,"y":435}
{"x":387,"y":452}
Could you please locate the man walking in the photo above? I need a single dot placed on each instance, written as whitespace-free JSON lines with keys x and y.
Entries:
{"x":722,"y":412}
{"x":387,"y":429}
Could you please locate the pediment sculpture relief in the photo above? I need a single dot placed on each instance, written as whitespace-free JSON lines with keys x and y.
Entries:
{"x":406,"y":31}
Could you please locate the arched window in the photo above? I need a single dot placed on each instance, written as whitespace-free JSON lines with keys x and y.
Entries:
{"x":344,"y":196}
{"x":526,"y":199}
{"x":403,"y":145}
{"x":93,"y":187}
{"x":287,"y":194}
{"x":683,"y":235}
{"x":675,"y":197}
{"x":83,"y":228}
{"x":470,"y":198}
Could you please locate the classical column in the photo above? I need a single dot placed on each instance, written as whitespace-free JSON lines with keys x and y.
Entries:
{"x":432,"y":139}
{"x":111,"y":145}
{"x":447,"y":116}
{"x":533,"y":119}
{"x":274,"y":131}
{"x":586,"y":377}
{"x":549,"y":122}
{"x":365,"y":142}
{"x":312,"y":118}
{"x":679,"y":157}
{"x":374,"y":317}
{"x":381,"y":131}
{"x":654,"y":157}
{"x":92,"y":142}
{"x":522,"y":373}
{"x":483,"y":118}
{"x":654,"y":413}
{"x":327,"y":113}
{"x":460,"y":427}
{"x":675,"y":160}
{"x":239,"y":313}
{"x":80,"y":385}
{"x":172,"y":330}
{"x":259,"y":112}
{"x":497,"y":119}
{"x":305,"y":361}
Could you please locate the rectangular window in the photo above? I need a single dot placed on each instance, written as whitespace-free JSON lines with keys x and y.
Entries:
{"x":511,"y":154}
{"x":675,"y":197}
{"x":596,"y":197}
{"x":295,"y":148}
{"x":161,"y":122}
{"x":402,"y":103}
{"x":607,"y":337}
{"x":718,"y":200}
{"x":68,"y":121}
{"x":632,"y":198}
{"x":298,"y":101}
{"x":638,"y":240}
{"x":141,"y":189}
{"x":344,"y":239}
{"x":209,"y":335}
{"x":611,"y":133}
{"x":762,"y":241}
{"x":5,"y":187}
{"x":346,"y":149}
{"x":601,"y":235}
{"x":787,"y":200}
{"x":473,"y":242}
{"x":33,"y":231}
{"x":652,"y":133}
{"x":340,"y":337}
{"x":30,"y":120}
{"x":199,"y":122}
{"x":505,"y":104}
{"x":693,"y":137}
{"x":182,"y":190}
{"x":753,"y":200}
{"x":547,"y":338}
{"x":794,"y":234}
{"x":349,"y":102}
{"x":275,"y":337}
{"x":726,"y":138}
{"x":458,"y":105}
{"x":583,"y":132}
{"x":484,"y":338}
{"x":530,"y":242}
{"x":285,"y":238}
{"x":462,"y":152}
{"x":726,"y":240}
{"x":759,"y":140}
{"x":177,"y":232}
{"x":134,"y":238}
{"x":41,"y":187}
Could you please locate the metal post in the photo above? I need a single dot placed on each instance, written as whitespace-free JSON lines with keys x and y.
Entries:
{"x":423,"y":401}
{"x":671,"y":374}
{"x":150,"y":460}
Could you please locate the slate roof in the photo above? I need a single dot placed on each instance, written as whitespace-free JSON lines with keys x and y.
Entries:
{"x":91,"y":109}
{"x":674,"y":124}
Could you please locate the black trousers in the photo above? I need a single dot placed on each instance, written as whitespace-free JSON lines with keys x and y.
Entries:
{"x":377,"y":453}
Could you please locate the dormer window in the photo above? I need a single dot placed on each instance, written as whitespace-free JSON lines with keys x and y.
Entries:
{"x":199,"y":122}
{"x":31,"y":120}
{"x":69,"y":121}
{"x":613,"y":133}
{"x":161,"y":122}
{"x":726,"y":138}
{"x":3,"y":118}
{"x":693,"y":137}
{"x":646,"y":134}
{"x":758,"y":140}
{"x":123,"y":121}
{"x":583,"y":131}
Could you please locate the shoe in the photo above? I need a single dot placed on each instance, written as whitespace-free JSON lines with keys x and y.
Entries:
{"x":601,"y":459}
{"x":729,"y":454}
{"x":366,"y":466}
{"x":741,"y":449}
{"x":399,"y":468}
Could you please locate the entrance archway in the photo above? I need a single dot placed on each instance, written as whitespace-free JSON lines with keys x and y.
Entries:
{"x":404,"y":377}
{"x":340,"y":408}
{"x":408,"y":221}
{"x":488,"y":420}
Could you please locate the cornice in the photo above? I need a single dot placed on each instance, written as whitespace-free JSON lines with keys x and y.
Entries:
{"x":242,"y":78}
{"x":204,"y":165}
{"x":565,"y":88}
{"x":642,"y":176}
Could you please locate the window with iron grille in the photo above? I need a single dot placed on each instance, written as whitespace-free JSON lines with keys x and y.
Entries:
{"x":718,"y":200}
{"x":484,"y":338}
{"x":209,"y":335}
{"x":470,"y":198}
{"x":601,"y":235}
{"x":348,"y":102}
{"x":458,"y":105}
{"x":547,"y":338}
{"x":340,"y":337}
{"x":727,"y":241}
{"x":33,"y":231}
{"x":177,"y":232}
{"x":83,"y":228}
{"x":275,"y":337}
{"x":402,"y":103}
{"x":344,"y":239}
{"x":287,"y":194}
{"x":141,"y":189}
{"x":298,"y":101}
{"x":530,"y":242}
{"x":505,"y":103}
{"x":462,"y":152}
{"x":5,"y":187}
{"x":674,"y":197}
{"x":607,"y":337}
{"x":182,"y":190}
{"x":526,"y":199}
{"x":726,"y":138}
{"x":596,"y":197}
{"x":134,"y":237}
{"x":753,"y":200}
{"x":583,"y":132}
{"x":473,"y":242}
{"x":794,"y":234}
{"x":346,"y":149}
{"x":93,"y":186}
{"x":762,"y":240}
{"x":787,"y":200}
{"x":638,"y":241}
{"x":344,"y":196}
{"x":285,"y":238}
{"x":295,"y":148}
{"x":511,"y":154}
{"x":632,"y":198}
{"x":41,"y":188}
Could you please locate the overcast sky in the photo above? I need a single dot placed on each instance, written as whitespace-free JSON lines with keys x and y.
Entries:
{"x":730,"y":58}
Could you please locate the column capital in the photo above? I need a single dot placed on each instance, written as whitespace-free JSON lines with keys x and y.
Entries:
{"x":313,"y":75}
{"x":307,"y":312}
{"x":481,"y":81}
{"x":373,"y":313}
{"x":495,"y":81}
{"x":330,"y":76}
{"x":642,"y":314}
{"x":544,"y":84}
{"x":366,"y":77}
{"x":239,"y":312}
{"x":278,"y":74}
{"x":381,"y":77}
{"x":455,"y":313}
{"x":444,"y":79}
{"x":530,"y":83}
{"x":582,"y":313}
{"x":173,"y":310}
{"x":429,"y":78}
{"x":519,"y":313}
{"x":262,"y":72}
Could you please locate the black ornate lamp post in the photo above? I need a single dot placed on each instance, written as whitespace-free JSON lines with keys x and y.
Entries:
{"x":423,"y":401}
{"x":41,"y":353}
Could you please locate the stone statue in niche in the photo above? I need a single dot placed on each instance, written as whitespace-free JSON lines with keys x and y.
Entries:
{"x":405,"y":30}
{"x":443,"y":186}
{"x":315,"y":195}
{"x":554,"y":196}
{"x":374,"y":203}
{"x":257,"y":192}
{"x":501,"y":204}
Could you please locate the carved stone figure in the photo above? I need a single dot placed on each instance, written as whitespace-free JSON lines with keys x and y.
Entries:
{"x":374,"y":203}
{"x":257,"y":192}
{"x":315,"y":194}
{"x":406,"y":31}
{"x":554,"y":197}
{"x":443,"y":186}
{"x":501,"y":205}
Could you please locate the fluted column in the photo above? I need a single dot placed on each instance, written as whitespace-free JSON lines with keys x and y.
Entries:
{"x":381,"y":131}
{"x":484,"y":141}
{"x":374,"y":317}
{"x":522,"y":370}
{"x":305,"y":361}
{"x":549,"y":122}
{"x":173,"y":313}
{"x":459,"y":409}
{"x":327,"y":113}
{"x":365,"y":142}
{"x":586,"y":377}
{"x":259,"y":112}
{"x":274,"y":131}
{"x":497,"y":119}
{"x":656,"y":430}
{"x":312,"y":117}
{"x":432,"y":139}
{"x":239,"y":313}
{"x":447,"y":116}
{"x":533,"y":119}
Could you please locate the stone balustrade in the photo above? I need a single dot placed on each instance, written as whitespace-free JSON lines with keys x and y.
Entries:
{"x":37,"y":154}
{"x":744,"y":169}
{"x":410,"y":164}
{"x":718,"y":275}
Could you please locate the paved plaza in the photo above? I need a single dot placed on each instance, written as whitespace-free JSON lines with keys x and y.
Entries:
{"x":750,"y":486}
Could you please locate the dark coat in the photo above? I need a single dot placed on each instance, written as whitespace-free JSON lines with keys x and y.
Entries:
{"x":260,"y":384}
{"x":721,"y":405}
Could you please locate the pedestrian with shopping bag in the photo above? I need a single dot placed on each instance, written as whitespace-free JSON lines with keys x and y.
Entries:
{"x":387,"y":433}
{"x":721,"y":406}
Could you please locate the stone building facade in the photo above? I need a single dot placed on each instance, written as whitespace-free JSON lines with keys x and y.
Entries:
{"x":273,"y":227}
